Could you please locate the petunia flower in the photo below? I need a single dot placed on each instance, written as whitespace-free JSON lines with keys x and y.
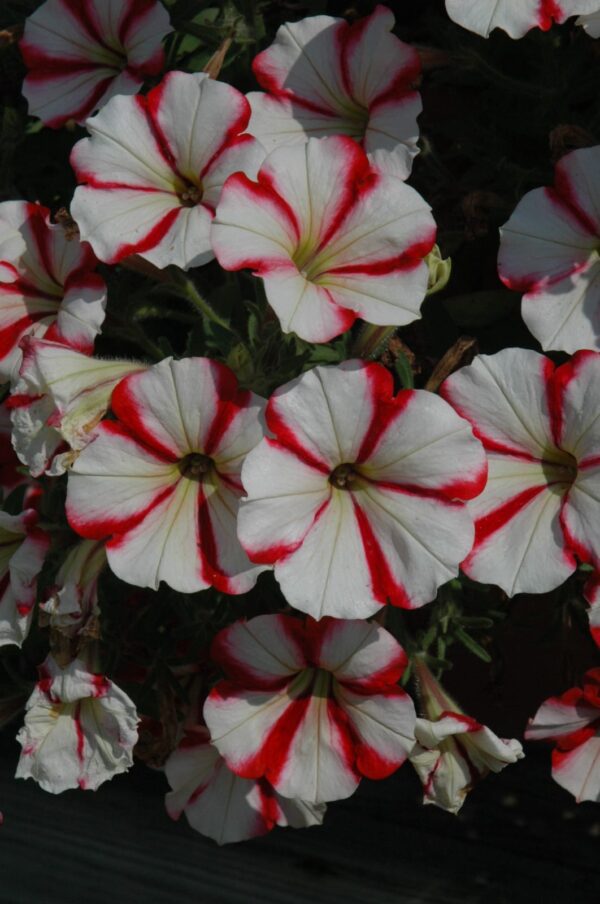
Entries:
{"x":453,"y":751}
{"x":515,"y":17}
{"x":356,"y":498}
{"x":154,"y":168}
{"x":572,"y":721}
{"x":326,"y":77}
{"x":220,"y":804}
{"x":79,"y":731}
{"x":162,"y":481}
{"x":73,"y":599}
{"x":332,"y":239}
{"x":312,"y":708}
{"x":549,"y":251}
{"x":58,"y":400}
{"x":540,"y":426}
{"x":23,"y":548}
{"x":48,"y":286}
{"x":80,"y":53}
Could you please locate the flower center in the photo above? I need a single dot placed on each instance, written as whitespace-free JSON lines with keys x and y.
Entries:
{"x":190,"y":194}
{"x":343,"y":476}
{"x":560,"y":471}
{"x":195,"y":466}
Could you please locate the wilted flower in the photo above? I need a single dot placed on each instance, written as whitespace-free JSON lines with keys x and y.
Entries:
{"x":73,"y":599}
{"x":220,"y":804}
{"x":79,"y":731}
{"x":23,"y":548}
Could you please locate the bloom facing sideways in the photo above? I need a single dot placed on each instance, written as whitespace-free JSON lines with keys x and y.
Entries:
{"x":572,"y":721}
{"x":23,"y":548}
{"x":332,"y":239}
{"x":162,"y":481}
{"x":356,"y":498}
{"x":82,"y":52}
{"x":47,"y":285}
{"x":9,"y":463}
{"x":515,"y":17}
{"x":540,"y":426}
{"x":154,"y":167}
{"x":312,"y":707}
{"x":326,"y":77}
{"x":58,"y":400}
{"x":549,"y":251}
{"x":453,"y":751}
{"x":79,"y":731}
{"x":73,"y":599}
{"x":220,"y":804}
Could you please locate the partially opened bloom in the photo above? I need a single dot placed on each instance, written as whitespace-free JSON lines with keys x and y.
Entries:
{"x":162,"y":481}
{"x":73,"y":599}
{"x":332,"y":239}
{"x":549,"y":251}
{"x":79,"y":731}
{"x":453,"y":751}
{"x":154,"y":168}
{"x":326,"y":77}
{"x":23,"y":548}
{"x":515,"y":17}
{"x":80,"y":53}
{"x":540,"y":426}
{"x":312,"y":707}
{"x":58,"y":400}
{"x":220,"y":804}
{"x":572,"y":721}
{"x":356,"y":497}
{"x":48,"y":286}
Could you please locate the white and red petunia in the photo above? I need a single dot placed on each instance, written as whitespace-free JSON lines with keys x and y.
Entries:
{"x":515,"y":17}
{"x":326,"y":77}
{"x":73,"y":599}
{"x":591,"y":24}
{"x":80,"y":53}
{"x":549,"y":251}
{"x":357,"y":497}
{"x":310,"y":707}
{"x":10,"y":476}
{"x":162,"y":481}
{"x":48,"y":286}
{"x":540,"y":426}
{"x":222,"y":805}
{"x":58,"y":400}
{"x":332,"y":239}
{"x":154,"y":168}
{"x":572,"y":721}
{"x":23,"y":548}
{"x":453,"y":751}
{"x":79,"y":731}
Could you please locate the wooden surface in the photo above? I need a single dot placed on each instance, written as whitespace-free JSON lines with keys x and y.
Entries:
{"x":519,"y":840}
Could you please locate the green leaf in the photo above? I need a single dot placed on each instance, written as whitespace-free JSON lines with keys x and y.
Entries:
{"x":404,"y":371}
{"x":472,"y":645}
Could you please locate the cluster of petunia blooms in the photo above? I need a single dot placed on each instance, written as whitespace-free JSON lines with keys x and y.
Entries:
{"x":355,"y":496}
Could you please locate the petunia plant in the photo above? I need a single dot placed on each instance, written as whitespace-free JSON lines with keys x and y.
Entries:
{"x":299,"y":397}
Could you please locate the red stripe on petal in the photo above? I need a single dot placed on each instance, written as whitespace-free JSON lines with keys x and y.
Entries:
{"x":574,"y":544}
{"x":562,"y":377}
{"x":495,"y":520}
{"x":287,"y":439}
{"x":564,"y":195}
{"x":358,"y":178}
{"x":549,"y":11}
{"x":127,"y":408}
{"x":384,"y":586}
{"x":222,"y":651}
{"x":387,"y":410}
{"x":232,"y":136}
{"x":118,"y":528}
{"x":411,"y":258}
{"x":150,"y":240}
{"x":10,"y":335}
